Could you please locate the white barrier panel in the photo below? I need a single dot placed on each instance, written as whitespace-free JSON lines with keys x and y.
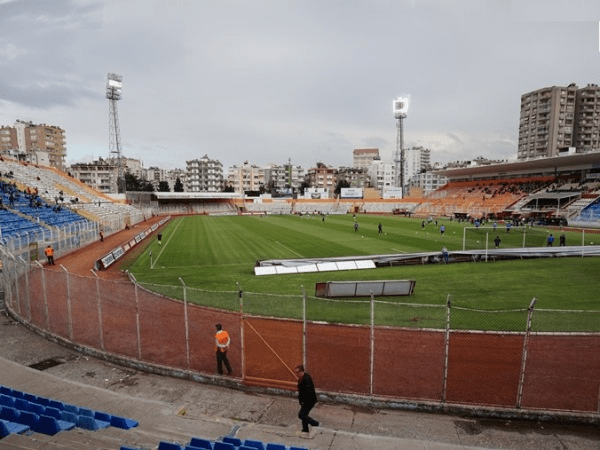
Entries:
{"x":286,"y":269}
{"x":365,"y":264}
{"x":269,"y":270}
{"x":327,"y":267}
{"x":346,"y":265}
{"x":308,"y":268}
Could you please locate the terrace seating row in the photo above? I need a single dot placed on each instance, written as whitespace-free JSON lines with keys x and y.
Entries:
{"x":49,"y":416}
{"x":225,"y":443}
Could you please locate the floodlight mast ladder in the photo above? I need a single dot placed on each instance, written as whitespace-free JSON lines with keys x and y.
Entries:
{"x":114,"y":87}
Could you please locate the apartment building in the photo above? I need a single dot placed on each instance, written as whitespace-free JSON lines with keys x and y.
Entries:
{"x":587,"y":119}
{"x":322,"y":177}
{"x":548,"y":121}
{"x":416,"y":160}
{"x":100,"y":175}
{"x":204,"y":175}
{"x":363,"y":157}
{"x":37,"y":144}
{"x":247,"y":177}
{"x":8,"y":140}
{"x":357,"y":177}
{"x":382,"y":175}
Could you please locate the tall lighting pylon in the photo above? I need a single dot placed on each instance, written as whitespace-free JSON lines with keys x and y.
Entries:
{"x":114,"y":86}
{"x":400,"y":107}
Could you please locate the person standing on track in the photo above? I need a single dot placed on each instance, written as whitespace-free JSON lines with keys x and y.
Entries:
{"x":307,"y":398}
{"x":222,"y":341}
{"x":49,"y":255}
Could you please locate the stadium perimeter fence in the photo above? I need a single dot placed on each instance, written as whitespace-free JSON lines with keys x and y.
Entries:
{"x":531,"y":359}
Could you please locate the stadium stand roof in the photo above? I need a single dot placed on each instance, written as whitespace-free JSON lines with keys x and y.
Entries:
{"x":194,"y":195}
{"x":541,"y":166}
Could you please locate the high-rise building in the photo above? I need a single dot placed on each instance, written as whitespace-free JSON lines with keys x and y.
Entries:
{"x":204,"y":175}
{"x":363,"y":157}
{"x":549,"y":119}
{"x":416,"y":160}
{"x":587,"y":119}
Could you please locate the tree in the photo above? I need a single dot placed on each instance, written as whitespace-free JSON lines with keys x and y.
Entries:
{"x":178,"y":186}
{"x":163,"y":186}
{"x":133,"y":183}
{"x":341,"y":184}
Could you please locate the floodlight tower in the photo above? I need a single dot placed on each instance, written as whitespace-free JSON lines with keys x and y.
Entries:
{"x":114,"y":85}
{"x":400,"y":107}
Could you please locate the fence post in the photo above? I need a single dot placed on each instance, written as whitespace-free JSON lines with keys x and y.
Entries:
{"x":187,"y":328}
{"x":446,"y":348}
{"x":27,"y":294}
{"x":17,"y":293}
{"x":303,"y":326}
{"x":137,"y":321}
{"x":45,"y":296}
{"x":69,"y":314}
{"x":99,"y":303}
{"x":524,"y":354}
{"x":372,"y":365}
{"x":242,"y":343}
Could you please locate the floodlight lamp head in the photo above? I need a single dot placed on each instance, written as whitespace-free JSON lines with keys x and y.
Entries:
{"x":400,"y":107}
{"x":114,"y":86}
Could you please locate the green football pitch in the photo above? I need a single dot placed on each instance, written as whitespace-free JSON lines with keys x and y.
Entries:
{"x":218,"y":254}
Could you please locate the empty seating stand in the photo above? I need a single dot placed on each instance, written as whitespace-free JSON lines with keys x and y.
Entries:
{"x":225,"y":443}
{"x":22,"y":412}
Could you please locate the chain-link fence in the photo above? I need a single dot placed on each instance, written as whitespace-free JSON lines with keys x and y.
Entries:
{"x":429,"y":353}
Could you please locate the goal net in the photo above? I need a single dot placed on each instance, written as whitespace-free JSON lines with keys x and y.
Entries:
{"x":480,"y":238}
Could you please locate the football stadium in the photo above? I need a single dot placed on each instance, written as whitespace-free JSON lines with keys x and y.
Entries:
{"x":460,"y":299}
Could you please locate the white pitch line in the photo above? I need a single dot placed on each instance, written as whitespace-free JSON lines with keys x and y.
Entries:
{"x":163,"y":247}
{"x":289,"y":249}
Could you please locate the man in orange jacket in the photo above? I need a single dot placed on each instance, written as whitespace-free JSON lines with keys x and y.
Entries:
{"x":222,"y":342}
{"x":50,"y":255}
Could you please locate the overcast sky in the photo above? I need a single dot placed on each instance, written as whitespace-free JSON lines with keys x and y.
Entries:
{"x":266,"y":81}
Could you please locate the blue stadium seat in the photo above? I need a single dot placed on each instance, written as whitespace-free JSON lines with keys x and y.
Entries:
{"x":231,"y":440}
{"x":191,"y":447}
{"x":30,"y":397}
{"x":299,"y":448}
{"x":169,"y":446}
{"x":122,"y":422}
{"x":52,"y":412}
{"x":69,"y":417}
{"x":201,"y":443}
{"x":51,"y":426}
{"x":275,"y":446}
{"x":244,"y":447}
{"x":29,"y":418}
{"x":7,"y":427}
{"x":224,"y":446}
{"x":89,"y":423}
{"x":71,"y":408}
{"x":6,"y":400}
{"x":10,"y":414}
{"x":258,"y":445}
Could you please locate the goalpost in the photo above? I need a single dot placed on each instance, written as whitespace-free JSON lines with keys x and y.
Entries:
{"x":483,"y":238}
